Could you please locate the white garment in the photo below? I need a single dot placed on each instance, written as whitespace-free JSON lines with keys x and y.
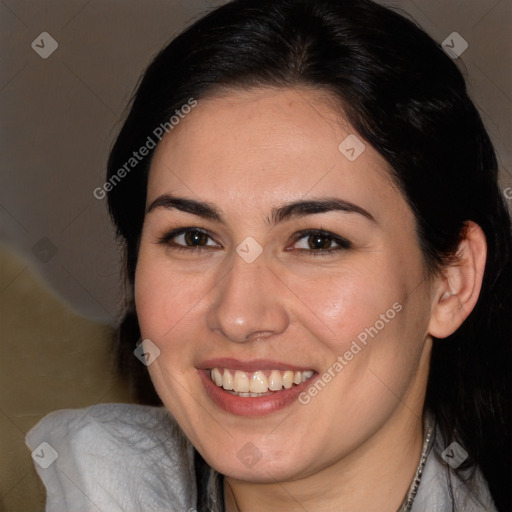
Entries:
{"x":442,"y":490}
{"x":114,"y":458}
{"x":135,"y":458}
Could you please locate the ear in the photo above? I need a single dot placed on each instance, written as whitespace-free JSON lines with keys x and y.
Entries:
{"x":455,"y":292}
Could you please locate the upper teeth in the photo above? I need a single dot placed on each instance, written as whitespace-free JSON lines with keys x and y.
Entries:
{"x":257,"y":382}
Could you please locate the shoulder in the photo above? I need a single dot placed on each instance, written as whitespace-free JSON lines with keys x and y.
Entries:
{"x":116,"y":457}
{"x":443,"y":488}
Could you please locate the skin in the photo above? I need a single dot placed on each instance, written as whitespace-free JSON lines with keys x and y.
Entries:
{"x":355,"y":446}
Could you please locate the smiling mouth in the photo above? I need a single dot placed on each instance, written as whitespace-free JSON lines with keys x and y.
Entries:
{"x":259,"y":383}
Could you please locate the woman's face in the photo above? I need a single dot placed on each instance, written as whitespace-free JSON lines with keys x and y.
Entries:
{"x":277,"y":251}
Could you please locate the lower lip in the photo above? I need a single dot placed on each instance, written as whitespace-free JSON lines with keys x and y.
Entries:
{"x":251,"y":406}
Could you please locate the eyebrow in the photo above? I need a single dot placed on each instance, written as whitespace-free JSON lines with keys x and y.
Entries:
{"x":199,"y":208}
{"x":287,"y":211}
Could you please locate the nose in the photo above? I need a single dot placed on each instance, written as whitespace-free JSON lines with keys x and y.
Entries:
{"x":249,"y":303}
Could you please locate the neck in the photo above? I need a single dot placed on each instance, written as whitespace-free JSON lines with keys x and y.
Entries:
{"x":376,"y":476}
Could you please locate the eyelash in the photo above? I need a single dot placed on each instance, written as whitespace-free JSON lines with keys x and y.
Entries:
{"x":343,"y":244}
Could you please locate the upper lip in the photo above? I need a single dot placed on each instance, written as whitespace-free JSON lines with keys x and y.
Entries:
{"x":250,"y":366}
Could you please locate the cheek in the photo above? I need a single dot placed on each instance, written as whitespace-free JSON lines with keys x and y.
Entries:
{"x":345,"y":306}
{"x":150,"y":299}
{"x":164,"y":299}
{"x":165,"y":309}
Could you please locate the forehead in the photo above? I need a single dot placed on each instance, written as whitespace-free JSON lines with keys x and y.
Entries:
{"x":268,"y":146}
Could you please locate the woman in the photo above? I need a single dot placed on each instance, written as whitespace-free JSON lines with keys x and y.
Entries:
{"x":318,"y":260}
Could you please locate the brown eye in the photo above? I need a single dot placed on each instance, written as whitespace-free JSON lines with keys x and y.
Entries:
{"x":196,"y":238}
{"x":319,"y":242}
{"x":188,"y":239}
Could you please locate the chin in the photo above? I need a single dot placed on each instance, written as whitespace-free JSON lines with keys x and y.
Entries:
{"x":251,"y":464}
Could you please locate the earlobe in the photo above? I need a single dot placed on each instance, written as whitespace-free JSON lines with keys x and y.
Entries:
{"x":457,"y":289}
